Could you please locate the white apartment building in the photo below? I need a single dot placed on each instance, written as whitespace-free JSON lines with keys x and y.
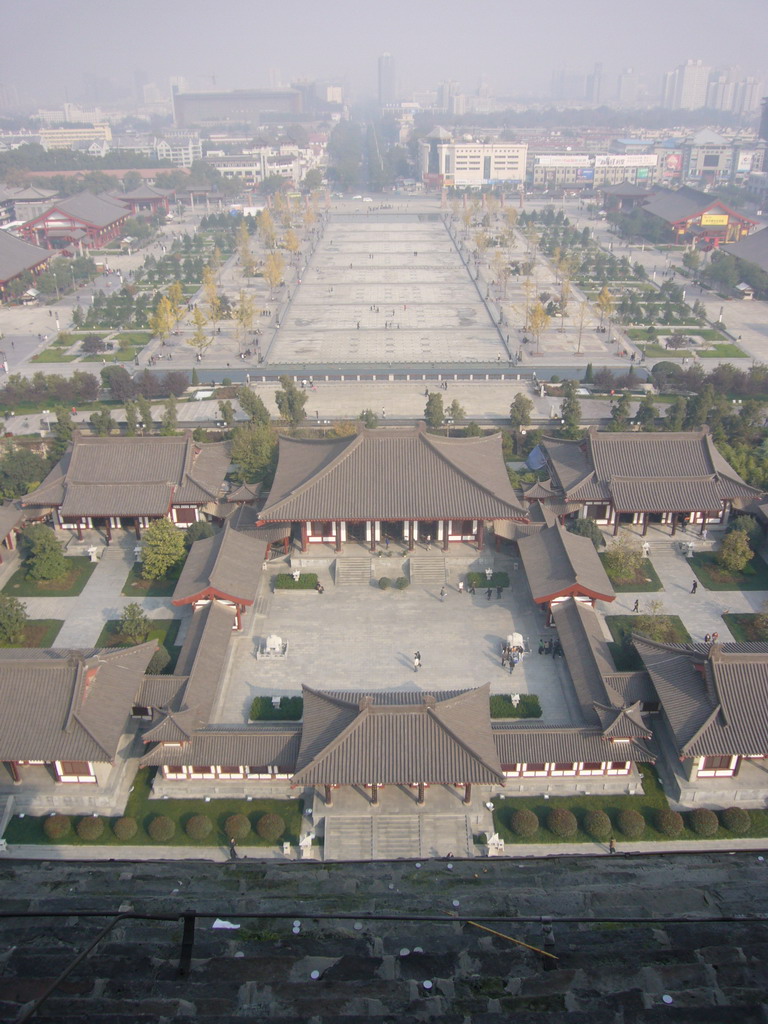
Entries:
{"x":254,"y":165}
{"x":481,"y":163}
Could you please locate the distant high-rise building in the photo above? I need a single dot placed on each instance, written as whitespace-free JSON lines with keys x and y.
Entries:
{"x":628,"y":89}
{"x":595,"y":86}
{"x":763,"y":130}
{"x":685,"y":88}
{"x":387,"y":87}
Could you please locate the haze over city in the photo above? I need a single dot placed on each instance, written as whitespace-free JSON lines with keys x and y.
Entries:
{"x":515,"y":48}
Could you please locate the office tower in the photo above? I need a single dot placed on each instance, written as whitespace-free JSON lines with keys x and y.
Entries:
{"x":387,"y":90}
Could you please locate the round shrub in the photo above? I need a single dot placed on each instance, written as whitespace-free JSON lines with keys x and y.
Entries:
{"x":158,"y":662}
{"x":670,"y":823}
{"x":402,"y":582}
{"x":161,"y":829}
{"x":198,"y":827}
{"x":630,"y":823}
{"x":125,"y":828}
{"x":270,"y":827}
{"x":736,"y":820}
{"x":703,"y":822}
{"x":90,"y":828}
{"x":237,"y":826}
{"x":57,"y":826}
{"x":597,"y":825}
{"x":562,"y":822}
{"x":385,"y":583}
{"x":524,"y":823}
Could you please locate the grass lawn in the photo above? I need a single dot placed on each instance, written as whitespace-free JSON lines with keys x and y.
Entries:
{"x":724,"y":351}
{"x":81,"y":568}
{"x":746,"y":627}
{"x":133,"y":337}
{"x":135,"y":586}
{"x":53,"y":355}
{"x":644,"y":581}
{"x":653,"y":799}
{"x":39,"y":633}
{"x":670,"y":628}
{"x":164,"y":631}
{"x":715,"y":577}
{"x":140,"y":807}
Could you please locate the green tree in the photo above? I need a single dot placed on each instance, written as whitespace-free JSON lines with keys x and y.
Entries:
{"x":456,"y":411}
{"x":620,"y":413}
{"x":43,"y":555}
{"x":102,"y":422}
{"x":623,"y":558}
{"x":131,"y":418}
{"x":200,"y":339}
{"x":247,"y":261}
{"x":692,"y":259}
{"x":647,"y":413}
{"x":244,"y":313}
{"x":520,"y":411}
{"x":63,"y":430}
{"x":211,"y":293}
{"x":162,"y":320}
{"x":21,"y":471}
{"x":588,"y":528}
{"x":291,"y":401}
{"x":312,"y":179}
{"x":254,"y":452}
{"x":538,"y":321}
{"x":604,"y":303}
{"x":162,"y":548}
{"x":13,"y":620}
{"x":369,"y":418}
{"x":735,"y":553}
{"x":197,"y":531}
{"x":570,"y":411}
{"x":253,"y":406}
{"x":675,"y":417}
{"x":433,"y":411}
{"x":169,"y":423}
{"x":134,"y":624}
{"x":274,"y":268}
{"x":227,"y":411}
{"x":145,"y":411}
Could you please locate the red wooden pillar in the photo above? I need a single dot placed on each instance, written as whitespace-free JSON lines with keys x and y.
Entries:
{"x":108,"y":528}
{"x":445,"y":534}
{"x":329,"y":796}
{"x":304,"y":541}
{"x":373,"y":535}
{"x":375,"y":794}
{"x":13,"y":768}
{"x":137,"y":528}
{"x":480,"y":536}
{"x":79,"y":530}
{"x":646,"y":517}
{"x":467,"y":793}
{"x":420,"y":800}
{"x":674,"y":524}
{"x":411,"y":531}
{"x":338,"y":535}
{"x":616,"y":521}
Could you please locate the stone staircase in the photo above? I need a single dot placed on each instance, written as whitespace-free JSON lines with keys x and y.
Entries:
{"x":396,"y":836}
{"x":426,"y":570}
{"x":352,"y":572}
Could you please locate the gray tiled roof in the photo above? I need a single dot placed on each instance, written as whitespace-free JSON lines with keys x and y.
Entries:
{"x":257,"y":746}
{"x":17,"y":256}
{"x":715,"y":699}
{"x":532,"y":743}
{"x":67,"y":705}
{"x":132,"y":476}
{"x":355,"y":739}
{"x":227,"y":565}
{"x":753,"y":249}
{"x":586,"y":655}
{"x":93,"y":210}
{"x":11,"y":516}
{"x":391,"y":473}
{"x":673,"y":205}
{"x":557,"y":562}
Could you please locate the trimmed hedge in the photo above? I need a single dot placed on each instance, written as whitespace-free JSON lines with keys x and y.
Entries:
{"x":199,"y":826}
{"x":524,"y":823}
{"x":597,"y":825}
{"x":263,"y":710}
{"x":502,"y":706}
{"x":562,"y":822}
{"x":270,"y":827}
{"x":285,"y":581}
{"x":630,"y":823}
{"x":384,"y":583}
{"x":125,"y":828}
{"x":670,"y":823}
{"x":736,"y":820}
{"x":703,"y":822}
{"x":161,"y":829}
{"x":237,"y":826}
{"x":57,"y":826}
{"x":402,"y":583}
{"x":158,"y":662}
{"x":90,"y":828}
{"x":480,"y":581}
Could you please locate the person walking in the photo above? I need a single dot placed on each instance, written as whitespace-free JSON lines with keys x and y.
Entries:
{"x":442,"y":594}
{"x":612,"y":845}
{"x":707,"y":638}
{"x":461,"y":586}
{"x":472,"y":588}
{"x":694,"y":586}
{"x":428,"y":542}
{"x":489,"y":593}
{"x":232,"y":850}
{"x":417,"y":661}
{"x":498,"y":593}
{"x":715,"y":637}
{"x":636,"y":605}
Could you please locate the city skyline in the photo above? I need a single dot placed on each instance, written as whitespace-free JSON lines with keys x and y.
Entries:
{"x":254,"y":45}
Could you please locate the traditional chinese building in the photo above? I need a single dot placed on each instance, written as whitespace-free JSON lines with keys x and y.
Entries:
{"x":640,"y":478}
{"x":692,"y":216}
{"x":109,"y":483}
{"x":84,"y":220}
{"x":399,"y":482}
{"x":16,"y":258}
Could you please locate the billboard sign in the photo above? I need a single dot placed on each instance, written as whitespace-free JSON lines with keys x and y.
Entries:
{"x":714,"y":219}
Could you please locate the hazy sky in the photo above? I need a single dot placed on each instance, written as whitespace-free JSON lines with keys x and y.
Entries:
{"x":50,"y":45}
